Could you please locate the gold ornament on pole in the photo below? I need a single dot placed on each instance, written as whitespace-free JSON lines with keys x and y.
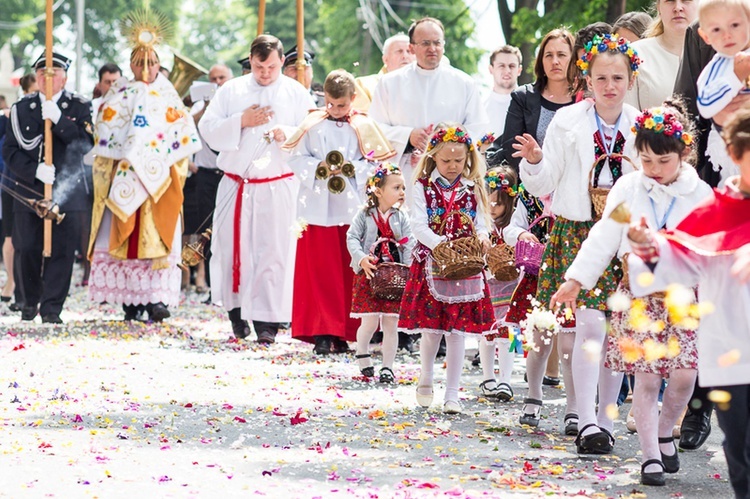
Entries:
{"x":145,"y":29}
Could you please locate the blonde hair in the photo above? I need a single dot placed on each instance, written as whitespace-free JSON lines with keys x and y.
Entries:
{"x":474,"y":169}
{"x":709,"y":5}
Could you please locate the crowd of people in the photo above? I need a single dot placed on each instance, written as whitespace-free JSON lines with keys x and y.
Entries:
{"x":372,"y":205}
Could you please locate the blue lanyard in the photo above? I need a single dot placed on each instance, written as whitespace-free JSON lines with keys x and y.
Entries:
{"x":607,"y":147}
{"x":663,"y":222}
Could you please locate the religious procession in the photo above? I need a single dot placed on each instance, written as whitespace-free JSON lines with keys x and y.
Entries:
{"x":420,"y":285}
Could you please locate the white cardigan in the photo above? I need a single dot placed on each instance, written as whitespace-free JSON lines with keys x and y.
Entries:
{"x":608,"y":238}
{"x":568,"y":155}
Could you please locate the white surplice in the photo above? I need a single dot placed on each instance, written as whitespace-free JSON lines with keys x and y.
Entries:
{"x":267,"y":242}
{"x":317,"y":205}
{"x":412,"y":97}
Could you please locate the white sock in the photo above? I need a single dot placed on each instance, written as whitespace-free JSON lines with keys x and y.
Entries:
{"x":505,"y":359}
{"x":454,"y":360}
{"x":428,"y":347}
{"x":487,"y":359}
{"x":646,"y":414}
{"x":390,"y":340}
{"x":536,"y":364}
{"x":565,"y":342}
{"x":591,"y":329}
{"x":366,"y":329}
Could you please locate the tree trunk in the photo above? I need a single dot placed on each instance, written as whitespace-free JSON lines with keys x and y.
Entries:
{"x":615,"y":8}
{"x":527,"y":49}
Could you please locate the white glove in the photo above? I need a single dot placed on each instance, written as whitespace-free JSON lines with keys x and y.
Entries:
{"x":51,"y":111}
{"x":45,"y":173}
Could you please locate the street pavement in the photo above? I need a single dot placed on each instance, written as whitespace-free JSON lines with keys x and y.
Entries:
{"x":102,"y":408}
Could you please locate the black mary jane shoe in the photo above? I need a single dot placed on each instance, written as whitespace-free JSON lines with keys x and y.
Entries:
{"x":571,"y":424}
{"x":369,"y":371}
{"x":386,"y":375}
{"x":532,"y":418}
{"x":672,"y":462}
{"x":600,"y":442}
{"x":655,"y":477}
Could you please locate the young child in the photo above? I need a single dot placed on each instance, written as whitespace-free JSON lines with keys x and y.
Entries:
{"x":448,"y":178}
{"x":663,"y":193}
{"x":725,"y":26}
{"x":709,"y":249}
{"x":584,"y":147}
{"x":383,"y":225}
{"x":328,"y":201}
{"x":500,"y":183}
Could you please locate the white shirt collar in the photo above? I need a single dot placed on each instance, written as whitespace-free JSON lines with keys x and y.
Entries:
{"x":436,"y":175}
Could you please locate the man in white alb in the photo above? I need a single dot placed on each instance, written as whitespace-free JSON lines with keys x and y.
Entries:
{"x":253,"y":248}
{"x":505,"y":68}
{"x":396,"y":55}
{"x":408,"y":103}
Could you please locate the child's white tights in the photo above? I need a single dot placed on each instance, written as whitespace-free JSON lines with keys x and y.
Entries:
{"x":390,"y":338}
{"x":505,"y":359}
{"x":536,"y":365}
{"x":454,"y":360}
{"x":651,"y":424}
{"x":589,"y":372}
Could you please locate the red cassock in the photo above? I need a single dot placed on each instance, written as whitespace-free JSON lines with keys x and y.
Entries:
{"x":323,"y":285}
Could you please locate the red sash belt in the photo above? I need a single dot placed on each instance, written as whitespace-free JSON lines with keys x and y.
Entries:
{"x":237,"y":216}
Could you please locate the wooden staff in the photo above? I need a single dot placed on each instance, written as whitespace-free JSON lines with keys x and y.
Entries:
{"x":301,"y":63}
{"x":261,"y":16}
{"x":49,"y":73}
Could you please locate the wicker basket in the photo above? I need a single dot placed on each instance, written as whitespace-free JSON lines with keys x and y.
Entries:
{"x":598,"y":195}
{"x":389,"y":281}
{"x":529,"y":253}
{"x":501,"y":261}
{"x":459,"y":258}
{"x":626,"y":277}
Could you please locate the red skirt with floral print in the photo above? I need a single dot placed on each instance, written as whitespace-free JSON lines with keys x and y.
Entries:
{"x":364,"y":302}
{"x":421,"y":312}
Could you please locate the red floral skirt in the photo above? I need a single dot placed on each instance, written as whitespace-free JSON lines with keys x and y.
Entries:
{"x":421,"y":312}
{"x":364,"y":302}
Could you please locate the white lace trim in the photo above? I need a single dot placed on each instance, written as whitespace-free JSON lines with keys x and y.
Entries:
{"x":453,"y":291}
{"x":133,"y":282}
{"x":440,"y":331}
{"x":371,"y":314}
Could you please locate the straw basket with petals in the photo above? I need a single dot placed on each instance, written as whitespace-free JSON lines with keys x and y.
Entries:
{"x":598,"y":195}
{"x":458,"y":258}
{"x":501,"y":261}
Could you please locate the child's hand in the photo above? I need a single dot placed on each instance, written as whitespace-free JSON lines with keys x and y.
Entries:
{"x":527,"y":148}
{"x":368,"y":264}
{"x":278,"y":135}
{"x":639,"y":232}
{"x":566,"y":295}
{"x":528,"y":236}
{"x":486,"y":245}
{"x":741,"y":265}
{"x":742,"y":66}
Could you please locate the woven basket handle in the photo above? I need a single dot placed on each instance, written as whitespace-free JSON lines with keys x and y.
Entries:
{"x":461,"y":214}
{"x":380,"y":241}
{"x":613,"y":155}
{"x":537,"y":220}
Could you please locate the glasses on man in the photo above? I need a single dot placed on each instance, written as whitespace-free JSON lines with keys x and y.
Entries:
{"x":425,"y":44}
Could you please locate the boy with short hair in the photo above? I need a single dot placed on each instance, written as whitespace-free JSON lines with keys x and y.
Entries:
{"x":331,"y":193}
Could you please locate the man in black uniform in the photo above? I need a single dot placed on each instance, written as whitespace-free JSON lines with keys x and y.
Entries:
{"x":45,"y":281}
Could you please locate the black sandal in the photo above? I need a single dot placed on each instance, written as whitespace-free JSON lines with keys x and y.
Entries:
{"x":386,"y":375}
{"x":653,"y":477}
{"x":532,"y":418}
{"x":368,"y":371}
{"x":571,"y":424}
{"x":600,"y":442}
{"x":504,"y":392}
{"x":672,"y":462}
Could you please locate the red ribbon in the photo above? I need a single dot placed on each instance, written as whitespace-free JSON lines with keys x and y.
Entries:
{"x":384,"y":228}
{"x":237,"y":215}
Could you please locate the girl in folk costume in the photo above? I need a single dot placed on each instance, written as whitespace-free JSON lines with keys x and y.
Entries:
{"x":532,"y":222}
{"x":331,"y":154}
{"x":663,"y":193}
{"x":709,"y":248}
{"x":500,"y":183}
{"x":585,"y":148}
{"x":448,"y":179}
{"x":380,"y":232}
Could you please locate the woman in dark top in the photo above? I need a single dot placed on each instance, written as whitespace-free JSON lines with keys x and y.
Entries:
{"x":532,"y":106}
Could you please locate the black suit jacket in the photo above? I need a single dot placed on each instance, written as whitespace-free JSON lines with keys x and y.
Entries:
{"x":72,"y":139}
{"x":695,"y":55}
{"x":523,"y":117}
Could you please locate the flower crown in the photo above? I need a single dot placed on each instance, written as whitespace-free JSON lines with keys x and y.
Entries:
{"x":608,"y":42}
{"x":450,"y":134}
{"x":495,"y":179}
{"x":382,"y":170}
{"x":660,"y":120}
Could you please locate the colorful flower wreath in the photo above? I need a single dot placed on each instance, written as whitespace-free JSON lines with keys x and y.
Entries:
{"x":495,"y":179}
{"x":660,"y":120}
{"x":380,"y":172}
{"x":487,"y":138}
{"x":451,"y":134}
{"x":611,"y":43}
